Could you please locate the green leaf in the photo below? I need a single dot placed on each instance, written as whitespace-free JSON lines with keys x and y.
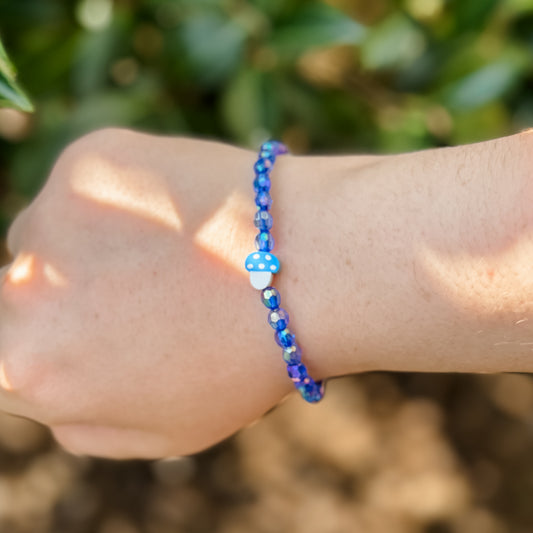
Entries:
{"x":11,"y":94}
{"x":95,"y":53}
{"x":487,"y":83}
{"x":250,"y":107}
{"x":214,"y":45}
{"x":472,"y":14}
{"x":485,"y":122}
{"x":394,"y":42}
{"x":315,"y":25}
{"x":271,"y":8}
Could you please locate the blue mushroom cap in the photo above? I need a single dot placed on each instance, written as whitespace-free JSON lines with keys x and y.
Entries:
{"x":262,"y":262}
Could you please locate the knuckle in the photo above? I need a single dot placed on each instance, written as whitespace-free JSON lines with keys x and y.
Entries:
{"x":100,"y":137}
{"x":84,"y":160}
{"x":100,"y":140}
{"x":95,"y":144}
{"x":90,"y":160}
{"x":28,"y":374}
{"x":24,"y":288}
{"x":22,"y":375}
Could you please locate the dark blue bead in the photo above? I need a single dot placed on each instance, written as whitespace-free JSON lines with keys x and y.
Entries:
{"x":267,"y":154}
{"x":278,"y":319}
{"x":262,"y":183}
{"x":264,"y":242}
{"x":263,"y":200}
{"x":298,"y":373}
{"x":292,"y":355}
{"x":262,"y":166}
{"x":263,"y":220}
{"x":311,"y":392}
{"x":270,"y":298}
{"x":284,"y":338}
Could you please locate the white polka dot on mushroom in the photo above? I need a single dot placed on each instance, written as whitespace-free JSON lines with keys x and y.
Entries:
{"x":272,"y":267}
{"x":261,"y":266}
{"x":249,"y":265}
{"x":268,"y":257}
{"x":256,"y":256}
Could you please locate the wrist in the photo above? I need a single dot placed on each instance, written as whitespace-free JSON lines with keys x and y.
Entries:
{"x":414,"y":262}
{"x":310,"y":230}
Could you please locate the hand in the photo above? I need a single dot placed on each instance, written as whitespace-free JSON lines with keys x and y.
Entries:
{"x":127,"y":323}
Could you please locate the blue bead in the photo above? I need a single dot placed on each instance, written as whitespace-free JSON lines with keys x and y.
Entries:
{"x":284,"y":338}
{"x":264,"y":242}
{"x":268,"y":154}
{"x":270,"y":298}
{"x":263,"y":220}
{"x":268,"y":146}
{"x":281,"y":148}
{"x":311,"y":392}
{"x":292,"y":355}
{"x":262,"y":166}
{"x":298,"y":373}
{"x":278,"y":319}
{"x":262,"y":183}
{"x":263,"y":200}
{"x":276,"y":147}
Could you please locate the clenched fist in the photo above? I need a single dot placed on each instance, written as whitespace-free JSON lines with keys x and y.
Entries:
{"x":127,"y":323}
{"x":129,"y":327}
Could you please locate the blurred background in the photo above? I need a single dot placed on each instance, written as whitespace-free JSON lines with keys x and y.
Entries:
{"x":384,"y":453}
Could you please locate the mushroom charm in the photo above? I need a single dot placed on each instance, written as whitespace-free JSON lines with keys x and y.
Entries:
{"x":262,"y":266}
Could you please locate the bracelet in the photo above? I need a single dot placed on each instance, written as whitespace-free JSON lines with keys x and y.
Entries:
{"x":263,"y":264}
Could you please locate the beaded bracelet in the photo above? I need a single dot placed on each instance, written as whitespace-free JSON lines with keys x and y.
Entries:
{"x":263,"y":264}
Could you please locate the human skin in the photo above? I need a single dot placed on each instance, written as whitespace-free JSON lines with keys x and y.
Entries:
{"x":128,"y":326}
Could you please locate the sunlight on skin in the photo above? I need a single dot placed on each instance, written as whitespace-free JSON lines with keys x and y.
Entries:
{"x":226,"y":233}
{"x":26,"y":269}
{"x":22,"y":271}
{"x":53,"y":276}
{"x":443,"y":268}
{"x":489,"y":275}
{"x":4,"y":381}
{"x":223,"y":234}
{"x":97,"y":179}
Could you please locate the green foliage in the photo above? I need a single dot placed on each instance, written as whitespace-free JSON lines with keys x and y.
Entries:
{"x":10,"y":92}
{"x":393,"y":42}
{"x":487,"y":83}
{"x":333,"y":75}
{"x":314,"y":25}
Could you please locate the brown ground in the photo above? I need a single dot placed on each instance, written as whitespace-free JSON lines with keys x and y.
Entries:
{"x":384,"y":453}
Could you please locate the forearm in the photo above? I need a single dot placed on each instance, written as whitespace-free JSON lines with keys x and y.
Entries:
{"x":416,"y":262}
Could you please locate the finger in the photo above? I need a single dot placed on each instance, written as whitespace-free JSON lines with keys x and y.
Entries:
{"x":10,"y":401}
{"x":16,"y":397}
{"x":111,"y":442}
{"x":16,"y":231}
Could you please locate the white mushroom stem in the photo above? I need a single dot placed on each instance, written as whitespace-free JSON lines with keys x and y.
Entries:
{"x":260,"y":280}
